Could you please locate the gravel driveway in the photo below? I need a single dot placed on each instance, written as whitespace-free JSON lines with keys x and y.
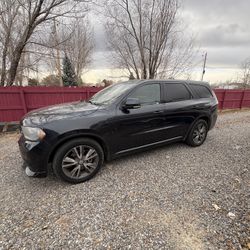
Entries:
{"x":175,"y":197}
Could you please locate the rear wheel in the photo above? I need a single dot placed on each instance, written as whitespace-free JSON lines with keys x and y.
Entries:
{"x":197,"y":134}
{"x":78,"y":160}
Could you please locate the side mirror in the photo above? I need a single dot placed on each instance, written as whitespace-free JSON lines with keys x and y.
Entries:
{"x":132,"y":103}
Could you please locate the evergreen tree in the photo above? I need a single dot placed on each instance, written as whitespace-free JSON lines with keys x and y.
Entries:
{"x":69,"y":76}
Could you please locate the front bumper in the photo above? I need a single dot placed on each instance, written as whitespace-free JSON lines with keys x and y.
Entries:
{"x":34,"y":155}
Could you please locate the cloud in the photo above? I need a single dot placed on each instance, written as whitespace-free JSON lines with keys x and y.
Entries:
{"x":221,"y":28}
{"x":225,"y":35}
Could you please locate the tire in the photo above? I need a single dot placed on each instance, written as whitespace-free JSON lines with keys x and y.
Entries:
{"x":197,"y":134}
{"x":78,"y":160}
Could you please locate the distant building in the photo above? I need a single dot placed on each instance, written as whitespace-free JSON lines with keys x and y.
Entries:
{"x":233,"y":85}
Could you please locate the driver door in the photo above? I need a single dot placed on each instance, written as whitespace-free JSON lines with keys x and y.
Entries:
{"x":135,"y":128}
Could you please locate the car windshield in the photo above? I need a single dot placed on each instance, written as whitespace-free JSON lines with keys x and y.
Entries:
{"x":109,"y":94}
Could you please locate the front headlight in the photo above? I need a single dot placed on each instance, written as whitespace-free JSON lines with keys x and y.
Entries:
{"x":33,"y":134}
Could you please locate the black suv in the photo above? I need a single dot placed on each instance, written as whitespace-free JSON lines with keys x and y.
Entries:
{"x":123,"y":118}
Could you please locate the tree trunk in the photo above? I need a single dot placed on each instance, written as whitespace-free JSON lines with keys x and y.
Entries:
{"x":4,"y":56}
{"x":152,"y":76}
{"x":17,"y":55}
{"x":14,"y":65}
{"x":3,"y":71}
{"x":144,"y":73}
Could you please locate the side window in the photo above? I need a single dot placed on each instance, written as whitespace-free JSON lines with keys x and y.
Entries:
{"x":147,"y":94}
{"x":201,"y":91}
{"x":176,"y":92}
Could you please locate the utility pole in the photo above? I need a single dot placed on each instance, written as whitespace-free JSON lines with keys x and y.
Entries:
{"x":58,"y":63}
{"x":204,"y":66}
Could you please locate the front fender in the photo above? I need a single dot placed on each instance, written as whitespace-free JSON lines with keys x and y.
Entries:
{"x":63,"y":138}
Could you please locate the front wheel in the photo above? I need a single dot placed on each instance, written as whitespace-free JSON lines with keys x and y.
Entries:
{"x":197,"y":134}
{"x":78,"y":160}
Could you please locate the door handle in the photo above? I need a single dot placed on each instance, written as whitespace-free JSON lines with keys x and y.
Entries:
{"x":158,"y":111}
{"x":200,"y":106}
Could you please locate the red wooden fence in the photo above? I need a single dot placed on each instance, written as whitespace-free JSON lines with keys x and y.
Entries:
{"x":17,"y":101}
{"x":233,"y":99}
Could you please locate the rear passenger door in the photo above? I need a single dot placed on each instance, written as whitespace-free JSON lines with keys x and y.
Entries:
{"x":179,"y":111}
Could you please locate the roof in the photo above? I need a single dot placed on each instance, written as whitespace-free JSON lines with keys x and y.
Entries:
{"x":166,"y":81}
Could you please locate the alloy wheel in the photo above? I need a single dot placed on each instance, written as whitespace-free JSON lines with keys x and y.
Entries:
{"x":199,"y":133}
{"x":80,"y":162}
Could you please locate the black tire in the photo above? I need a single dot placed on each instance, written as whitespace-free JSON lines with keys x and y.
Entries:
{"x":194,"y":132}
{"x":65,"y":155}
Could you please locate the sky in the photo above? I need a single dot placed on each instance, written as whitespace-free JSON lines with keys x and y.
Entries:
{"x":220,"y":27}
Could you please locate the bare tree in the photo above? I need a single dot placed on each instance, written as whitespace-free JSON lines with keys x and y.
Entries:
{"x":145,"y":39}
{"x":36,"y":13}
{"x":79,"y":45}
{"x":12,"y":21}
{"x":50,"y":46}
{"x":8,"y":19}
{"x":245,"y":72}
{"x":73,"y":39}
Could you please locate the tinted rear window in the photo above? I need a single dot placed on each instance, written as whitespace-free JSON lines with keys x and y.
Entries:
{"x":177,"y":92}
{"x":201,"y":91}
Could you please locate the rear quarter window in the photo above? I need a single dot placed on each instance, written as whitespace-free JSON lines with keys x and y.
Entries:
{"x":176,"y":92}
{"x":201,"y":91}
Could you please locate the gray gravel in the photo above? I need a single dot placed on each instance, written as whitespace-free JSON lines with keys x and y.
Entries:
{"x":175,"y":197}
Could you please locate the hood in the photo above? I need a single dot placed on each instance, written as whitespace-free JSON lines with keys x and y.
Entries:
{"x":58,"y":112}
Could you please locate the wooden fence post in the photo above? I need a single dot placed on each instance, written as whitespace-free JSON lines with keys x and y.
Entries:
{"x":223,"y":100}
{"x":242,"y":98}
{"x":87,"y":93}
{"x":23,"y":101}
